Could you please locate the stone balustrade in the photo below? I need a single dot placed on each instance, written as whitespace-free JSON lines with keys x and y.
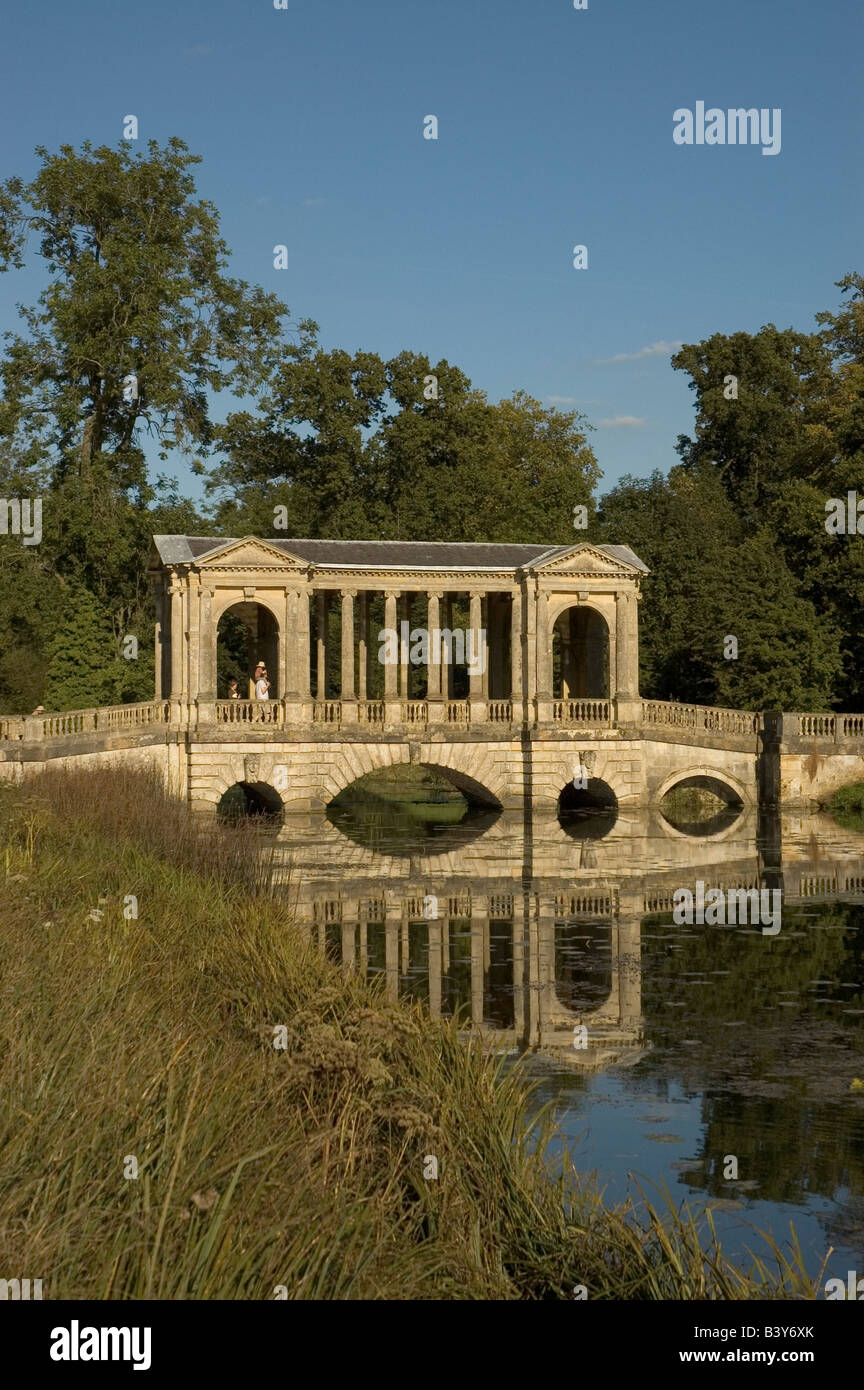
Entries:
{"x":247,"y":716}
{"x":669,"y":714}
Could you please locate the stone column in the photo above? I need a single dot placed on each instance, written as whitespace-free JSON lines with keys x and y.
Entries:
{"x":447,"y":667}
{"x":434,"y":959}
{"x":392,"y":706}
{"x":321,"y":644}
{"x":363,"y":647}
{"x":544,"y":659}
{"x":292,"y":661}
{"x":478,"y":978}
{"x":178,"y":642}
{"x":206,"y":701}
{"x":529,"y":678}
{"x":304,"y":682}
{"x":286,"y":655}
{"x":348,"y":692}
{"x":191,"y":673}
{"x":433,"y":670}
{"x":476,"y":680}
{"x":392,"y":921}
{"x":404,"y":647}
{"x":627,"y":703}
{"x":516,"y":694}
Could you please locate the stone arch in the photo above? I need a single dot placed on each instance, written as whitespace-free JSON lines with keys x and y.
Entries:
{"x":728,"y":787}
{"x":580,"y":638}
{"x":266,"y":637}
{"x":353,"y":761}
{"x":258,"y":799}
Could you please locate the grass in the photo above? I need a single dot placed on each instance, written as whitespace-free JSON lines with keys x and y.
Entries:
{"x":847,"y":806}
{"x":151,"y":1039}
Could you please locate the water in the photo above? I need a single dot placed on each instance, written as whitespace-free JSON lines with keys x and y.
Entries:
{"x":704,"y":1044}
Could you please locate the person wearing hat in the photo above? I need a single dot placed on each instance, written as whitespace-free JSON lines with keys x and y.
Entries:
{"x":262,"y":684}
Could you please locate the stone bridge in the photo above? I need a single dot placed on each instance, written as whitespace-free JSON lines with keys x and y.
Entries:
{"x":511,"y":668}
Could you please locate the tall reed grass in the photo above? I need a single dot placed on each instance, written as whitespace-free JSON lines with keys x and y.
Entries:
{"x":152,"y":1039}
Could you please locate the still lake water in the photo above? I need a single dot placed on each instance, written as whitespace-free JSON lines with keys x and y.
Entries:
{"x":703,"y":1042}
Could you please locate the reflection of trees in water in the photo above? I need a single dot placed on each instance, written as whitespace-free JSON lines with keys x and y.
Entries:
{"x":777,"y":1085}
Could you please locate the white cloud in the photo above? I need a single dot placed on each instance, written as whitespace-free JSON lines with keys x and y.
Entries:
{"x":622,"y":422}
{"x":561,"y":400}
{"x":661,"y":349}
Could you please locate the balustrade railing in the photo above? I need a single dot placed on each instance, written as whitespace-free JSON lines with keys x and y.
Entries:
{"x":671,"y":715}
{"x":370,"y":712}
{"x":597,"y":712}
{"x":249,"y":712}
{"x":327,"y":712}
{"x":133,"y":716}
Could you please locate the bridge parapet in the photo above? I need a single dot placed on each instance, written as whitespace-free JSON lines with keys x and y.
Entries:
{"x":823,"y":728}
{"x":700,"y":718}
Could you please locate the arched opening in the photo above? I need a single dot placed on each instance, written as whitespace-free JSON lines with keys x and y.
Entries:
{"x":700,"y":805}
{"x":251,"y":801}
{"x":580,"y":655}
{"x":583,"y":964}
{"x":589,"y":812}
{"x":403,"y":807}
{"x":247,"y":633}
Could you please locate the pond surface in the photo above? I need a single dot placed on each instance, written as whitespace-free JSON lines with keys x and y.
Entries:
{"x":671,"y":1052}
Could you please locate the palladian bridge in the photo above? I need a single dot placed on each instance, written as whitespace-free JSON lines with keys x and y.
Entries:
{"x":533,"y":683}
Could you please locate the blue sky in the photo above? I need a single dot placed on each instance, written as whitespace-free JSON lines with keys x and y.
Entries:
{"x":555,"y":129}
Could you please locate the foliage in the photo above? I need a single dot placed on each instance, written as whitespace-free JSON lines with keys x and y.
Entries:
{"x":259,"y":1167}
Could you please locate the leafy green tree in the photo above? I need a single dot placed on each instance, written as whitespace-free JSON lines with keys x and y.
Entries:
{"x":766,"y":434}
{"x":711,"y":580}
{"x":355,"y":447}
{"x":137,"y":287}
{"x":83,"y":666}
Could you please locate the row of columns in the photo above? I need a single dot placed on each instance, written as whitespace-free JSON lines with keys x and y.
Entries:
{"x":537,"y":1009}
{"x":185,"y":616}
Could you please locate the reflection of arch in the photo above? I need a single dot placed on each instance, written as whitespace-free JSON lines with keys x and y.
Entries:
{"x":583,"y":965}
{"x":703,"y":826}
{"x":245,"y":632}
{"x":580,"y":654}
{"x":589,"y":812}
{"x":250,"y":799}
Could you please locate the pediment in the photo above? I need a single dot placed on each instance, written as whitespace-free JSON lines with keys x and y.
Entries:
{"x":588,"y":560}
{"x":250,"y":553}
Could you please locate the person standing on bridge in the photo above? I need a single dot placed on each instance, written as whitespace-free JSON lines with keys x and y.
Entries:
{"x":233,"y":692}
{"x":262,"y":684}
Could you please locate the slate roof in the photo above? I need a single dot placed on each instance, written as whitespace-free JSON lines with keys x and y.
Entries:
{"x":414,"y":555}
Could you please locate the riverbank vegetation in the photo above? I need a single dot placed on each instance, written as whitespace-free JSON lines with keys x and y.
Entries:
{"x":146,"y":1044}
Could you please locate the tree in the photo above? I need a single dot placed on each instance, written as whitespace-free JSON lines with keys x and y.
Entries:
{"x":83,"y":666}
{"x":709,"y":581}
{"x":354,"y":447}
{"x":137,"y":288}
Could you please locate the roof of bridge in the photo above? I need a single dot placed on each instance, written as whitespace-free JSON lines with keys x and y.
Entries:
{"x":431,"y":555}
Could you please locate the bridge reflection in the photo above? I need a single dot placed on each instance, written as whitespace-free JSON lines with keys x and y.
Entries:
{"x":527,"y":933}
